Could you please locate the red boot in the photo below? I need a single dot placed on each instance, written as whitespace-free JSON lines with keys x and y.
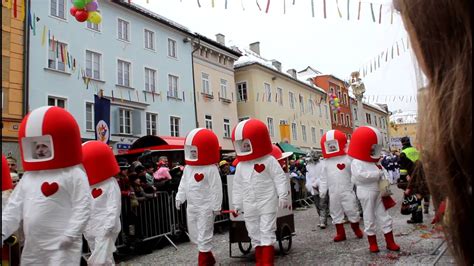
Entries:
{"x":267,"y":256}
{"x":258,"y":255}
{"x":373,"y":243}
{"x":340,"y":233}
{"x":391,"y":245}
{"x":206,"y":259}
{"x":356,"y":229}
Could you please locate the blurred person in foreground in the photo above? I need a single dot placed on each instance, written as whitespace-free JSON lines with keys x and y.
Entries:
{"x":443,"y":48}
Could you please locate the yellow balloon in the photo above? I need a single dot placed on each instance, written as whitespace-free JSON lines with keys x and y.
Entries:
{"x":95,"y":17}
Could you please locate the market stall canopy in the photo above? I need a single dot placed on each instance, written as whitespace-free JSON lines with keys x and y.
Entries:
{"x":287,"y":147}
{"x":155,"y":143}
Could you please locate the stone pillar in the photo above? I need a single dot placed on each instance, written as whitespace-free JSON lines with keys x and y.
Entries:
{"x":358,"y":89}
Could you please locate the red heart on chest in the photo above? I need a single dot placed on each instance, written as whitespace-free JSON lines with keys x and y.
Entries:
{"x":341,"y":166}
{"x":259,"y":167}
{"x":49,"y":189}
{"x":198,"y":177}
{"x":96,"y":192}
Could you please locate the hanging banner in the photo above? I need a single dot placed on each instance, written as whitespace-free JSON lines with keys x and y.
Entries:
{"x":102,"y":119}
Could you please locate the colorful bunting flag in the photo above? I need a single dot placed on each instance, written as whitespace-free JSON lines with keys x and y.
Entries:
{"x":372,"y":11}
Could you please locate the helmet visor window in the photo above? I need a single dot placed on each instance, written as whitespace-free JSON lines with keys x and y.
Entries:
{"x":38,"y":149}
{"x":243,"y":147}
{"x":191,"y":153}
{"x":331,"y":146}
{"x":376,"y":151}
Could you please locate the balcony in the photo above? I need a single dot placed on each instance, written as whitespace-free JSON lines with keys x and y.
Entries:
{"x":208,"y":95}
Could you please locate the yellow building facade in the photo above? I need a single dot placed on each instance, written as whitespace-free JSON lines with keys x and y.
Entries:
{"x":294,"y":111}
{"x":214,"y":83}
{"x":13,"y":57}
{"x":398,"y":131}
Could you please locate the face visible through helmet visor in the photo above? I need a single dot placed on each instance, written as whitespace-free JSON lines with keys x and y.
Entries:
{"x":38,"y":149}
{"x":331,"y":146}
{"x":243,"y":147}
{"x":191,"y":153}
{"x":375,"y":151}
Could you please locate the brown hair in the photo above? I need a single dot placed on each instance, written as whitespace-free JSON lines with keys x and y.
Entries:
{"x":440,"y":33}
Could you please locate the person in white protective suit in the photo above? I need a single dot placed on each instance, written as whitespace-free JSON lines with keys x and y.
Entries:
{"x":365,"y":148}
{"x":336,"y":177}
{"x":103,"y":226}
{"x":52,"y":198}
{"x":313,"y":181}
{"x":201,"y":187}
{"x":260,"y":186}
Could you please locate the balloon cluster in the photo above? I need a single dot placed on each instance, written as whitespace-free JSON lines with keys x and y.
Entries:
{"x":84,"y":10}
{"x":334,"y":101}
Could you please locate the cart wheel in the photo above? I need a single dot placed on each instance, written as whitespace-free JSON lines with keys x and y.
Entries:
{"x":245,"y":250}
{"x":285,"y":240}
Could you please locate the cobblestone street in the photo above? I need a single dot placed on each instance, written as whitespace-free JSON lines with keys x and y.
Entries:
{"x":313,"y":246}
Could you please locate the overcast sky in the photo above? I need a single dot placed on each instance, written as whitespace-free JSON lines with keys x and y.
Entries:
{"x":297,"y":39}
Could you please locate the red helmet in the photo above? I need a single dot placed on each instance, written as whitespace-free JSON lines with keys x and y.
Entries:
{"x":7,"y":182}
{"x":333,"y":143}
{"x":366,"y":144}
{"x":99,"y":161}
{"x":201,"y":147}
{"x":251,"y":140}
{"x":49,"y":138}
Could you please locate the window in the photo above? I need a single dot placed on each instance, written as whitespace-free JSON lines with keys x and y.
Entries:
{"x":58,"y":8}
{"x":174,"y":126}
{"x":321,"y":132}
{"x":320,"y":110}
{"x":93,"y":26}
{"x":173,"y":86}
{"x":367,"y":118}
{"x":310,"y":105}
{"x":123,"y":30}
{"x":93,"y":64}
{"x":326,"y":111}
{"x":172,"y":48}
{"x":313,"y":134}
{"x":54,"y":58}
{"x":342,"y":119}
{"x":90,"y":116}
{"x":291,"y":98}
{"x":303,"y":131}
{"x":242,"y":91}
{"x":123,"y":73}
{"x":301,"y":103}
{"x":345,"y":99}
{"x":283,"y":122}
{"x":348,"y":119}
{"x":334,"y":115}
{"x":293,"y":131}
{"x":149,"y":39}
{"x":226,"y":128}
{"x":125,"y":119}
{"x":208,"y":120}
{"x":355,"y":114}
{"x":54,"y":101}
{"x":331,"y":90}
{"x":280,"y":96}
{"x":268,"y":92}
{"x":243,"y":118}
{"x":375,"y":120}
{"x":205,"y":83}
{"x":223,"y":88}
{"x":150,"y":80}
{"x":270,"y":126}
{"x":151,"y":124}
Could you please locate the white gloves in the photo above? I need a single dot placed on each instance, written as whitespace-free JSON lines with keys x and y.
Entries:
{"x":216,"y":212}
{"x":178,"y":205}
{"x":238,"y":210}
{"x":284,"y":203}
{"x":65,"y":242}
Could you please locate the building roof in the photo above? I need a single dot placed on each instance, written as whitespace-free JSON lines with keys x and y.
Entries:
{"x":249,"y":58}
{"x":219,"y":45}
{"x":404,"y":117}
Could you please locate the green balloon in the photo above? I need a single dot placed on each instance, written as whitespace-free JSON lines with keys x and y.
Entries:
{"x":88,"y":1}
{"x":79,"y":4}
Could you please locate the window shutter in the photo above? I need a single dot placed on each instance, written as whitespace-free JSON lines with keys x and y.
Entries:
{"x":136,"y":122}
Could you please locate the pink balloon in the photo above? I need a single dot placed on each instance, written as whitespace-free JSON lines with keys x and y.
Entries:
{"x":92,"y":6}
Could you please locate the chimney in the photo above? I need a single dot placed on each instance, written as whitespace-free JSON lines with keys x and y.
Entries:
{"x":220,"y":38}
{"x":292,"y":72}
{"x":255,"y":47}
{"x":276,"y":64}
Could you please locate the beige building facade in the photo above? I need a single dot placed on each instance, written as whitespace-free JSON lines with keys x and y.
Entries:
{"x":13,"y":108}
{"x":403,"y":124}
{"x":214,"y":83}
{"x":294,"y":110}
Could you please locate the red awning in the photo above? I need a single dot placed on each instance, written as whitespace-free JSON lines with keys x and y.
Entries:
{"x":166,"y":144}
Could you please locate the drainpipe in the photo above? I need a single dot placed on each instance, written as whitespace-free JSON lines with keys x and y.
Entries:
{"x":194,"y":81}
{"x":26,"y":59}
